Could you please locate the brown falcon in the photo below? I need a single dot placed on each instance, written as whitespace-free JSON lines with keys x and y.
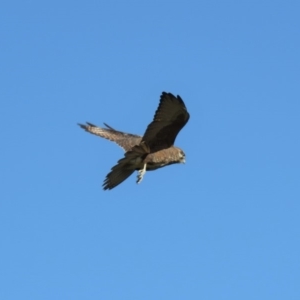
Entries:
{"x":152,"y":151}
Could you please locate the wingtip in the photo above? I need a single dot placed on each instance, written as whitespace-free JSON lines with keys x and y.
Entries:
{"x":85,"y":126}
{"x":107,"y":185}
{"x":81,"y":125}
{"x":172,"y":96}
{"x":109,"y":127}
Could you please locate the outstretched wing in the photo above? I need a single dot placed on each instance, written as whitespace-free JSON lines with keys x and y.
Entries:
{"x":132,"y":160}
{"x":125,"y":140}
{"x":170,"y":117}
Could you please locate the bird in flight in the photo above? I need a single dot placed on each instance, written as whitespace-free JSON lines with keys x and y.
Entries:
{"x":155,"y":149}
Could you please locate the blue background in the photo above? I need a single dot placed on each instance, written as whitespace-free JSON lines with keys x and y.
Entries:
{"x":223,"y":226}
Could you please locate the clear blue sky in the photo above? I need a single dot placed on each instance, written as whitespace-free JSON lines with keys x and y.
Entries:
{"x":225,"y":225}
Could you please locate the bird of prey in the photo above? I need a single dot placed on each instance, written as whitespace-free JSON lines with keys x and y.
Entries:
{"x":155,"y":149}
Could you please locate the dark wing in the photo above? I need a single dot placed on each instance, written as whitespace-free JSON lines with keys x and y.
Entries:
{"x":170,"y":117}
{"x":132,"y":160}
{"x":116,"y":176}
{"x":125,"y":140}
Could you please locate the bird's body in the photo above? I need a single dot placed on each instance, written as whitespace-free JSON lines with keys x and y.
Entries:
{"x":152,"y":151}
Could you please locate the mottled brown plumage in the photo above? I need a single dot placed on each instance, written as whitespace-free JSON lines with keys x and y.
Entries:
{"x":152,"y":151}
{"x":125,"y":140}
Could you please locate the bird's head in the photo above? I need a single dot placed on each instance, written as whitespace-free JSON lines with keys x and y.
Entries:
{"x":181,"y":156}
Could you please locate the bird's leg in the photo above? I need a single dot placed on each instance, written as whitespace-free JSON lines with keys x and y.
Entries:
{"x":141,"y":174}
